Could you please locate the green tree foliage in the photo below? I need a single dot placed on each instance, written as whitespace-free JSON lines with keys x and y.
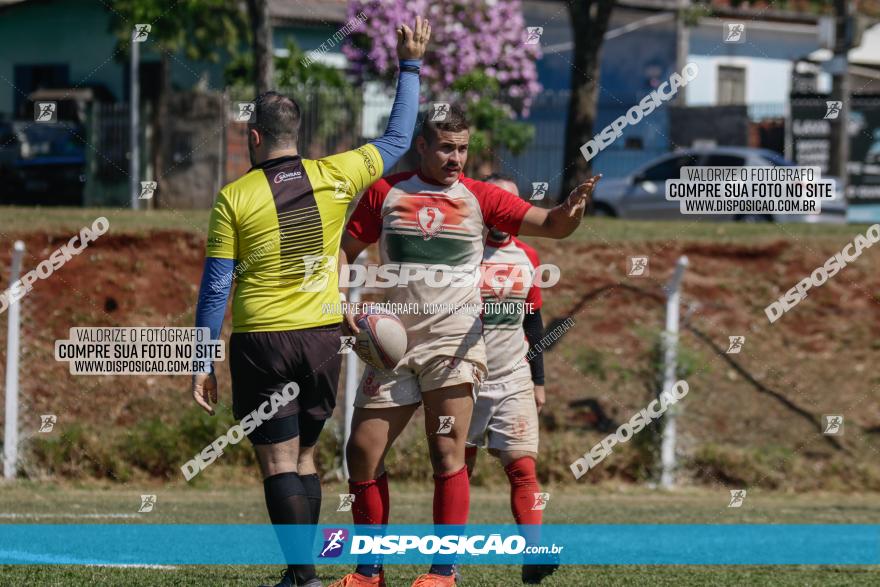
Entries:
{"x":202,"y":30}
{"x":491,"y":121}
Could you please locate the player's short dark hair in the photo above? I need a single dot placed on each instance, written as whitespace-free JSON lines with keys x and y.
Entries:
{"x":455,"y":121}
{"x":277,"y":118}
{"x":499,"y":177}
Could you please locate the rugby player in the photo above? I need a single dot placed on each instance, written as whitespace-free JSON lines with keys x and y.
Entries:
{"x":505,"y":418}
{"x":432,"y":216}
{"x":272,"y":229}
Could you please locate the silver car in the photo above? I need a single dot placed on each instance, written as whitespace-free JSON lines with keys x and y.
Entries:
{"x":642,"y":195}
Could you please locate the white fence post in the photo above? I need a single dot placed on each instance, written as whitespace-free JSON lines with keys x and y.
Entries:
{"x":670,"y":360}
{"x":10,"y":435}
{"x":351,"y":379}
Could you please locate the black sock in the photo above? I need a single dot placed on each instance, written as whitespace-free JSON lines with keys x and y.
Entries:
{"x":288,"y":503}
{"x":441,"y":570}
{"x":368,"y":570}
{"x":312,"y":485}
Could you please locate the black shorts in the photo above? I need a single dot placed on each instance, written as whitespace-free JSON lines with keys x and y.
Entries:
{"x":262,"y":363}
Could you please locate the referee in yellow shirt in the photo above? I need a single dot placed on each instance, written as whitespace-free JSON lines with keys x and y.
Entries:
{"x":276,"y":232}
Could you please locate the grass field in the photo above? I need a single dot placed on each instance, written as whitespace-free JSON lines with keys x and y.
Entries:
{"x":410,"y":504}
{"x":17,"y":220}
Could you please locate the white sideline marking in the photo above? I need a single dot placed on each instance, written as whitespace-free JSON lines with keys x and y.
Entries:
{"x":19,"y":555}
{"x":42,"y":516}
{"x":135,"y":566}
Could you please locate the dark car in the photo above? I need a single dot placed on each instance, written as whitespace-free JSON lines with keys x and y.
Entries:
{"x":42,"y":163}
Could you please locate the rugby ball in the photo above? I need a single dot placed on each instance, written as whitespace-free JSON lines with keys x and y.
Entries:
{"x":381,"y":341}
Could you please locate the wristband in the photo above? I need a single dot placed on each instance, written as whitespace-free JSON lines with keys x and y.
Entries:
{"x":410,"y":65}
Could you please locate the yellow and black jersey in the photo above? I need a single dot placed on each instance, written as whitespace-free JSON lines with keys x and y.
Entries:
{"x":281,"y":223}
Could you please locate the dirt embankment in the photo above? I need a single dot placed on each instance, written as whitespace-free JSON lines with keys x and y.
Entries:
{"x":751,"y":418}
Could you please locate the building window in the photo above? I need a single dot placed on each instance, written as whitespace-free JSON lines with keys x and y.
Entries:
{"x":731,"y":85}
{"x":36,"y":77}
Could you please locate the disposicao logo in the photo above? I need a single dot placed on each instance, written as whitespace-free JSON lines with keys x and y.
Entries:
{"x":334,"y":540}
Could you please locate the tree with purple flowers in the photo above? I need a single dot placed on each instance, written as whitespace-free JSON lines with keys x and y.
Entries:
{"x":478,"y":56}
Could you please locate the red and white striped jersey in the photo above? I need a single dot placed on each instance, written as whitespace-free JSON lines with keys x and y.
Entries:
{"x":420,"y":224}
{"x":508,"y":292}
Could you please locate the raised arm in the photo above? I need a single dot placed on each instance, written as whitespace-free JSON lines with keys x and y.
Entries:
{"x":398,"y":134}
{"x":359,"y":168}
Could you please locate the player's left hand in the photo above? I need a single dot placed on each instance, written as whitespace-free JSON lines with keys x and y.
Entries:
{"x":581,"y":196}
{"x":540,"y":397}
{"x":204,"y":390}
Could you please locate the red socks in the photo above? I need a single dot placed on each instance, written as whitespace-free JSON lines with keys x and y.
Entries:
{"x":523,"y":487}
{"x":371,"y":507}
{"x":452,"y":497}
{"x":371,"y":501}
{"x":382,"y":483}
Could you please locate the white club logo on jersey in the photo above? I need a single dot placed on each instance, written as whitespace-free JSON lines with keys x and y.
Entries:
{"x":430,"y":220}
{"x":501,"y":280}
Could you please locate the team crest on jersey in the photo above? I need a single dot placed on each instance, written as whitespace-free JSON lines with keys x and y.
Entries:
{"x":502,"y":280}
{"x":430,"y":221}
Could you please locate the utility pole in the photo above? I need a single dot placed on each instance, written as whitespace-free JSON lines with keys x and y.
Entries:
{"x":682,"y":46}
{"x":261,"y":29}
{"x":840,"y":90}
{"x":134,"y":164}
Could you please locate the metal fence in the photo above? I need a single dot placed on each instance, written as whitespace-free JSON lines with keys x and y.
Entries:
{"x":335,"y":120}
{"x":107,"y":155}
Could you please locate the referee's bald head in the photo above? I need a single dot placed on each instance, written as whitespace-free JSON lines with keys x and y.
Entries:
{"x":277,"y":119}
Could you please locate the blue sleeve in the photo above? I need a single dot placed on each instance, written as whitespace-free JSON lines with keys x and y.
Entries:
{"x":398,"y":134}
{"x":213,"y":294}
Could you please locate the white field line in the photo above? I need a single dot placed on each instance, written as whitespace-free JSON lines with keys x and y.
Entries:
{"x":50,"y":559}
{"x":27,"y":516}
